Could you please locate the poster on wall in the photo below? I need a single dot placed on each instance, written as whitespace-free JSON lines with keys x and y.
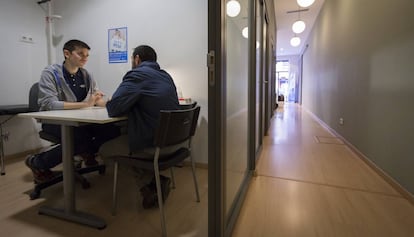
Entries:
{"x":117,"y":45}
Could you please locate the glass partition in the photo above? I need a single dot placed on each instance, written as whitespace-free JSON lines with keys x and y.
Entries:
{"x":236,"y":135}
{"x":259,"y":71}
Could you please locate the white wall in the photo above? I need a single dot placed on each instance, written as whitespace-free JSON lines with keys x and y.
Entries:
{"x":20,"y":66}
{"x":176,"y":29}
{"x":20,"y":62}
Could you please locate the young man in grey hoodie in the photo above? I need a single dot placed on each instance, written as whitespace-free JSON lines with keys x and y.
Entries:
{"x":70,"y":86}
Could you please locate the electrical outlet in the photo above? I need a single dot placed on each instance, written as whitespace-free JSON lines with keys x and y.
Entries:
{"x":26,"y":39}
{"x":341,"y":121}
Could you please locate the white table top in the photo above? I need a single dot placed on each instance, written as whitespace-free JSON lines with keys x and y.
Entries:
{"x":87,"y":115}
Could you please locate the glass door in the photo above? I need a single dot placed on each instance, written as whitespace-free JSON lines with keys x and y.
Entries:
{"x":282,"y":77}
{"x":228,"y":63}
{"x":236,"y":102}
{"x":258,"y":76}
{"x":216,"y":83}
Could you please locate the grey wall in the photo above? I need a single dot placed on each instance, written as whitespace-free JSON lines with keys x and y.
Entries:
{"x":360,"y":66}
{"x":177,"y":31}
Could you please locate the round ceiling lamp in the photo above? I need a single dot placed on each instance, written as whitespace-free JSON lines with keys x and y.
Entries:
{"x":245,"y":32}
{"x":295,"y":41}
{"x":299,"y":26}
{"x":233,"y":8}
{"x":305,"y":3}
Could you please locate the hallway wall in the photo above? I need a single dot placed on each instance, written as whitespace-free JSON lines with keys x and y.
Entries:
{"x":359,"y":66}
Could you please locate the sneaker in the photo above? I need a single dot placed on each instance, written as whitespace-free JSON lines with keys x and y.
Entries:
{"x":165,"y":187}
{"x":149,"y":195}
{"x":77,"y":162}
{"x":89,"y":159}
{"x":39,"y":175}
{"x":149,"y":192}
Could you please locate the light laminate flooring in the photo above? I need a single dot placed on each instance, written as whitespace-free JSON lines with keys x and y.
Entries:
{"x":184,"y":216}
{"x":309,"y":184}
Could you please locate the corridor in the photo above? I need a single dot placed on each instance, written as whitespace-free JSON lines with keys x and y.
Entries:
{"x":309,"y":183}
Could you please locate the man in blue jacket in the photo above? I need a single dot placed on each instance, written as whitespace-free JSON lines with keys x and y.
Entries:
{"x":144,"y":91}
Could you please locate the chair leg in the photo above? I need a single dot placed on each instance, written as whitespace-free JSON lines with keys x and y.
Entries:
{"x":114,"y":193}
{"x":172,"y":177}
{"x":195,"y":178}
{"x":160,"y":202}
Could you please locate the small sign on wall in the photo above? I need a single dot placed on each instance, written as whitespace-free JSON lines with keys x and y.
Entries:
{"x":118,"y":45}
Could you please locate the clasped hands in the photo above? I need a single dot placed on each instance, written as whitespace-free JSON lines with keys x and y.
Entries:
{"x":97,"y":99}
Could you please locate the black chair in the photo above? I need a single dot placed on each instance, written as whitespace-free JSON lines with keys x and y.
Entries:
{"x":176,"y":127}
{"x":34,"y":107}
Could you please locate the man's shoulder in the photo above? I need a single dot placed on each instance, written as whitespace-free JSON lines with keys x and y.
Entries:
{"x":53,"y":67}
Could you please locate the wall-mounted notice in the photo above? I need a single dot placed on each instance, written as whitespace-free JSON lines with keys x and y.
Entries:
{"x":118,"y":45}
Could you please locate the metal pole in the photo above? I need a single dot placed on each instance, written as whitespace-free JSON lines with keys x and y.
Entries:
{"x":49,"y":30}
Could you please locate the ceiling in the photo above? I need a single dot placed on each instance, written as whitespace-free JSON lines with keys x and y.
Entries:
{"x":285,"y":20}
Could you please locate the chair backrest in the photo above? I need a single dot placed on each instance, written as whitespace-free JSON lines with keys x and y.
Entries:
{"x":34,"y":107}
{"x":33,"y":97}
{"x":188,"y":106}
{"x":176,"y":126}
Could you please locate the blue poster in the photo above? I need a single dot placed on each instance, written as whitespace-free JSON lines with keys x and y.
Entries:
{"x":117,"y":45}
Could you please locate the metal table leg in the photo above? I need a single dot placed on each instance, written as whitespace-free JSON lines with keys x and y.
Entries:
{"x":2,"y":136}
{"x":69,"y":212}
{"x":2,"y":170}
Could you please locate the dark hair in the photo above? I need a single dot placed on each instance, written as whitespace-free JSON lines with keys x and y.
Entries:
{"x":146,"y":53}
{"x":71,"y":45}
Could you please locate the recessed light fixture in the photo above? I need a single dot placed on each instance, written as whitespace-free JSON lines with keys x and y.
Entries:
{"x":233,"y":8}
{"x":245,"y":32}
{"x":299,"y":26}
{"x":305,"y":3}
{"x":295,"y":41}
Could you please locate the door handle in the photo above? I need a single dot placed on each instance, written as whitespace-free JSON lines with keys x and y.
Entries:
{"x":211,"y":64}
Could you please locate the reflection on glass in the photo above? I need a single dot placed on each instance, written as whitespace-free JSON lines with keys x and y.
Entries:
{"x":258,"y":72}
{"x":236,"y":99}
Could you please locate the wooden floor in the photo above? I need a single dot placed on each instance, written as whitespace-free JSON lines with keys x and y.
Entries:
{"x":308,"y":184}
{"x":18,"y":215}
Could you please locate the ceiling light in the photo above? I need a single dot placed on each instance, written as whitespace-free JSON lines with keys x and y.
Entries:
{"x":233,"y":8}
{"x":299,"y":26}
{"x":295,"y":41}
{"x":305,"y":3}
{"x":245,"y":32}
